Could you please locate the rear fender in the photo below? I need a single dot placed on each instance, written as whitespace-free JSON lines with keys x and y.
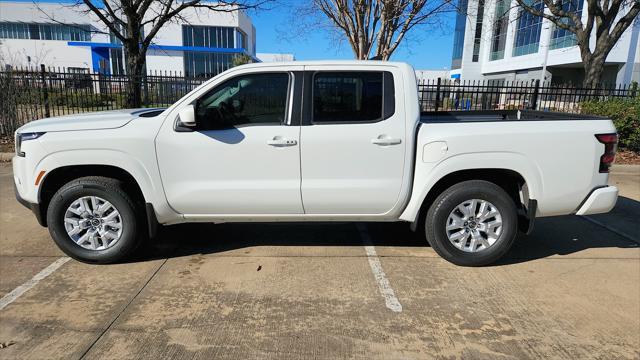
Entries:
{"x":427,"y":175}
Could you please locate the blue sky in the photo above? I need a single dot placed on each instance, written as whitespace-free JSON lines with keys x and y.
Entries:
{"x":426,"y":48}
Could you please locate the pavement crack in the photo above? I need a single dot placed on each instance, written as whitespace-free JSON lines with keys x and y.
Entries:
{"x":124,"y":308}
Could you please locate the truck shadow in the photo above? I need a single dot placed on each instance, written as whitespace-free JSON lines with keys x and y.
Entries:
{"x":564,"y":235}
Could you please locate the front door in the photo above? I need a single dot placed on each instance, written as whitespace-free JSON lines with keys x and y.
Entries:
{"x":242,"y":158}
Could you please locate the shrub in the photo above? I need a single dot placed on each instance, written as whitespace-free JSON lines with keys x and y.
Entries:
{"x":625,"y":114}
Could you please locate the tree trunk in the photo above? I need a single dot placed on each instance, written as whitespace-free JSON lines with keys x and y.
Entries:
{"x":135,"y":60}
{"x":593,"y":69}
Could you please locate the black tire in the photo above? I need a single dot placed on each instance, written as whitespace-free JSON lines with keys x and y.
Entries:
{"x":110,"y":190}
{"x":445,"y":203}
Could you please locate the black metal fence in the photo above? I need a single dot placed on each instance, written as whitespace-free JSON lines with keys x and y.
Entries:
{"x":446,"y":95}
{"x":28,"y":94}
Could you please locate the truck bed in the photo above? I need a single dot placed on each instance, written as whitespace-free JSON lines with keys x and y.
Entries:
{"x":500,"y":115}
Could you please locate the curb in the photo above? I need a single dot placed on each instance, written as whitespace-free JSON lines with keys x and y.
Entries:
{"x":625,"y":169}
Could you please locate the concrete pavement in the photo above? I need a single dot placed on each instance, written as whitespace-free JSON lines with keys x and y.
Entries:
{"x":288,"y":291}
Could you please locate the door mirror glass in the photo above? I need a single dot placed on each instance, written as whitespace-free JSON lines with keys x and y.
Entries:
{"x":187,"y":116}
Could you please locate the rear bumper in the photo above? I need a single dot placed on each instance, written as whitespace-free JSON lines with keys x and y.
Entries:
{"x":601,"y":200}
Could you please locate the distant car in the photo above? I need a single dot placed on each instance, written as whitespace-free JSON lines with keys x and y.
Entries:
{"x":311,"y":141}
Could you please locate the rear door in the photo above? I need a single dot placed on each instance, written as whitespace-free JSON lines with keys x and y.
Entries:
{"x":352,"y":141}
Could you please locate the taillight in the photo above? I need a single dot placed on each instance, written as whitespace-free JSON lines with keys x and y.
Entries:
{"x":610,"y":142}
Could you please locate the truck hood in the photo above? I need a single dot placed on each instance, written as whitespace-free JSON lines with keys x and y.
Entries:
{"x":89,"y":121}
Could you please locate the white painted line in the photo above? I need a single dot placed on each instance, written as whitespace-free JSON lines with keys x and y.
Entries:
{"x":17,"y":292}
{"x":387,"y":292}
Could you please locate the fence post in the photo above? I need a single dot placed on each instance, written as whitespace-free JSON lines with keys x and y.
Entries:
{"x":145,"y":87}
{"x":438,"y":94}
{"x":45,"y":91}
{"x":534,"y":97}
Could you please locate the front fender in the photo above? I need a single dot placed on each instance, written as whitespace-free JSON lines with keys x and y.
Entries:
{"x":149,"y":184}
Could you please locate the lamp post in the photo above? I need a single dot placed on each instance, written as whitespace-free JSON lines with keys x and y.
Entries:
{"x":546,"y":51}
{"x":546,"y":58}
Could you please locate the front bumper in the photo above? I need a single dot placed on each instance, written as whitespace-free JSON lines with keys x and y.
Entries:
{"x":601,"y":200}
{"x":35,"y":208}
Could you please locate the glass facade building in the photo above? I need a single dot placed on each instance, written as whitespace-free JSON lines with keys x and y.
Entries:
{"x":206,"y":64}
{"x":562,"y":38}
{"x":499,"y":31}
{"x":34,"y":31}
{"x":55,"y":34}
{"x":478,"y":33}
{"x":210,"y":63}
{"x":528,"y":28}
{"x":208,"y":36}
{"x":458,"y":35}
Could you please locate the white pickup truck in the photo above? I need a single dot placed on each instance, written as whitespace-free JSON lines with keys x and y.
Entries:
{"x":311,"y":141}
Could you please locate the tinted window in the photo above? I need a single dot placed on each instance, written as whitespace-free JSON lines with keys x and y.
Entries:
{"x":347,"y":96}
{"x":248,"y":99}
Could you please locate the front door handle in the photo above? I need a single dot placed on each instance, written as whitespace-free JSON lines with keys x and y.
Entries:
{"x":279,"y":141}
{"x":384,"y":140}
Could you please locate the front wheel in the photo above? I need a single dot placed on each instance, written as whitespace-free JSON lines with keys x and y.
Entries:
{"x":93,"y":219}
{"x":472,"y":223}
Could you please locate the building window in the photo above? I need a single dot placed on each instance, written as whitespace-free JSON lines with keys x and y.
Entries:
{"x":206,"y":64}
{"x":114,"y":39}
{"x":458,"y":35}
{"x":347,"y":97}
{"x":478,"y":34}
{"x":561,"y":38}
{"x":117,"y":61}
{"x":528,"y":31}
{"x":241,"y":40}
{"x":253,"y":40}
{"x":208,"y":36}
{"x":499,"y":35}
{"x":36,"y":31}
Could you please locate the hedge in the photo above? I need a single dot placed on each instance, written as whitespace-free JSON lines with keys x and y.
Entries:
{"x":625,"y":114}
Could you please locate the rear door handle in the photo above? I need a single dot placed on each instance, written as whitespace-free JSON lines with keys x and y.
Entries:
{"x":279,"y":141}
{"x":384,"y":140}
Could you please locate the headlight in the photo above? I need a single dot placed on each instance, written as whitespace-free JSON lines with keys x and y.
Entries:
{"x":22,"y":137}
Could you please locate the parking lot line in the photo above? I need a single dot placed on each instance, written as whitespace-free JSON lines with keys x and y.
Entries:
{"x":390,"y":299}
{"x":17,"y":292}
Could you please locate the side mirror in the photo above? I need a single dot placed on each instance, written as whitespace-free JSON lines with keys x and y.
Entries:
{"x":187,"y":116}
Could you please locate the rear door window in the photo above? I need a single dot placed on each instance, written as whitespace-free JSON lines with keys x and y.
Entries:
{"x":347,"y":97}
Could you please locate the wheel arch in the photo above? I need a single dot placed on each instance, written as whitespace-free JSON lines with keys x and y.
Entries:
{"x":513,"y":182}
{"x":509,"y":180}
{"x":59,"y":176}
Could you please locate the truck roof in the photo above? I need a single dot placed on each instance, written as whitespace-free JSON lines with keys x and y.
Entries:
{"x":326,"y":62}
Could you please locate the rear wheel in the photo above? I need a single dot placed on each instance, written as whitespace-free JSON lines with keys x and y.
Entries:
{"x":92,"y":219}
{"x":472,"y":223}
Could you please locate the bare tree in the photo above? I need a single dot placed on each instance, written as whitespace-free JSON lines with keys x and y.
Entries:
{"x":608,"y":18}
{"x":379,"y":26}
{"x":136,"y":23}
